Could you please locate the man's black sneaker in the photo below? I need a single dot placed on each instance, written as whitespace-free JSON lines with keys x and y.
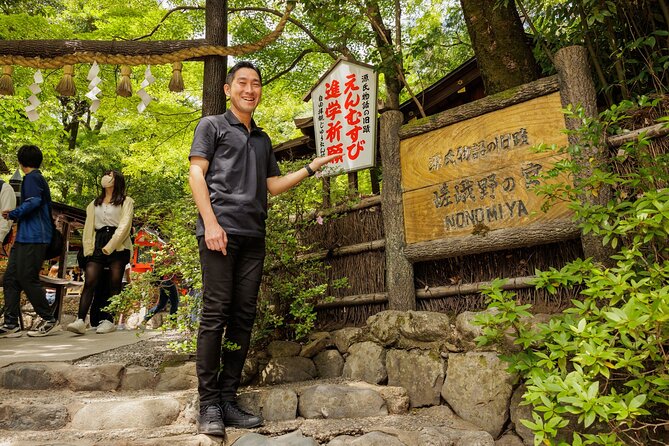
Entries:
{"x":43,"y":328}
{"x":10,"y":331}
{"x":210,"y":421}
{"x":235,"y":416}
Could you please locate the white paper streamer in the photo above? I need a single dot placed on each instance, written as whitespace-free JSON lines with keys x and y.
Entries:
{"x":144,"y":96}
{"x":31,"y":110}
{"x":93,"y":88}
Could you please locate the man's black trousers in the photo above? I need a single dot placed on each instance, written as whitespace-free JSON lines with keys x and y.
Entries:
{"x":230,"y":284}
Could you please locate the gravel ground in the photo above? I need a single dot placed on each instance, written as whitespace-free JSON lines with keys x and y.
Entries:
{"x":149,"y":353}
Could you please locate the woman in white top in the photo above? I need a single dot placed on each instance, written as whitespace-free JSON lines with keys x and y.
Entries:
{"x":106,"y":244}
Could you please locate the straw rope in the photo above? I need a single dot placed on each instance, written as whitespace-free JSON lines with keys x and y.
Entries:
{"x":154,"y":59}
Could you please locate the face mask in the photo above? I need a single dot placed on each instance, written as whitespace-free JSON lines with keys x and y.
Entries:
{"x":107,"y":181}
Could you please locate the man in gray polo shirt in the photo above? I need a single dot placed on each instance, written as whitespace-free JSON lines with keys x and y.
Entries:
{"x":232,"y":167}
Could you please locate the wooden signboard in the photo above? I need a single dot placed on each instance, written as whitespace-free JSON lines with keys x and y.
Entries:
{"x":477,"y":175}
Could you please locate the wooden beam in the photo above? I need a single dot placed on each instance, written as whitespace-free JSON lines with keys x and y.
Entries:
{"x":487,"y":104}
{"x":515,"y":283}
{"x":362,"y":204}
{"x":360,"y":299}
{"x":343,"y":251}
{"x":653,"y":131}
{"x":509,"y":238}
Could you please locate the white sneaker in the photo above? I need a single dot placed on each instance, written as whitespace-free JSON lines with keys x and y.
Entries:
{"x":78,"y":327}
{"x":105,"y":327}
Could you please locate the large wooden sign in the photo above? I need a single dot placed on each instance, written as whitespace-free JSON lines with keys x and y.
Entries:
{"x":477,"y":175}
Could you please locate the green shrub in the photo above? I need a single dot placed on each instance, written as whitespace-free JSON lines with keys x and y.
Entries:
{"x":600,"y":369}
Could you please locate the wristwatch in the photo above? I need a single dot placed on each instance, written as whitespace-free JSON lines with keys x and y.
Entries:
{"x":310,"y":171}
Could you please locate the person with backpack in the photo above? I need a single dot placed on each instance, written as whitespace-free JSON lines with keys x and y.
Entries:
{"x":7,"y":202}
{"x":35,"y":230}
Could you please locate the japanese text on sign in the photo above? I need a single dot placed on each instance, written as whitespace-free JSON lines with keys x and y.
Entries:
{"x":345,"y":117}
{"x":478,"y":150}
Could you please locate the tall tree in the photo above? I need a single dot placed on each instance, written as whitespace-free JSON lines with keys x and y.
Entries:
{"x":502,"y":52}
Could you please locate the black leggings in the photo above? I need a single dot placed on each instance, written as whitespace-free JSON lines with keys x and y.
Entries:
{"x":94,"y":271}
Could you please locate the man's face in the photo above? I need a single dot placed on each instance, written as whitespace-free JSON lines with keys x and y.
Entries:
{"x":245,"y":91}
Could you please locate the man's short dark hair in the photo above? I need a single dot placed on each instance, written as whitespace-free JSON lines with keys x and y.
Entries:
{"x":239,"y":65}
{"x":30,"y":156}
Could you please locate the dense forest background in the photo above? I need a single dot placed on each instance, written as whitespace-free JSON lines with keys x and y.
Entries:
{"x":413,"y":41}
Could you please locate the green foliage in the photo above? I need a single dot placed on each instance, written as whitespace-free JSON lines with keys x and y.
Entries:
{"x":627,"y":41}
{"x":291,"y":287}
{"x":599,"y":369}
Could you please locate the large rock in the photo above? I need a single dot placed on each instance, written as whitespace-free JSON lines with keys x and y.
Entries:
{"x":182,"y":377}
{"x":421,"y":373}
{"x":250,"y":370}
{"x":384,"y":326}
{"x":444,"y":436}
{"x":331,"y":401}
{"x":319,"y":341}
{"x":425,"y":326}
{"x":366,"y":361}
{"x":329,"y":364}
{"x":478,"y":388}
{"x":283,"y":349}
{"x":509,"y":440}
{"x":345,"y":337}
{"x":294,"y":438}
{"x":137,"y":378}
{"x":396,"y":398}
{"x":288,"y":370}
{"x":520,"y":412}
{"x":26,"y":377}
{"x":145,"y":413}
{"x":33,"y":417}
{"x":370,"y":439}
{"x":279,"y":405}
{"x":410,"y":329}
{"x":96,"y":377}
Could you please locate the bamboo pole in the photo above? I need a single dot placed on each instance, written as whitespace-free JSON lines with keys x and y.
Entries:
{"x":515,"y":283}
{"x":653,"y":131}
{"x":344,"y":250}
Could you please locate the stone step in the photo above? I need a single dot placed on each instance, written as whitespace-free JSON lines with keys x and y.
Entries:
{"x":429,"y":426}
{"x":306,"y":413}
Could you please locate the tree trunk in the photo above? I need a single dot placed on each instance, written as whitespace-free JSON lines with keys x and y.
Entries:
{"x":502,"y":53}
{"x":577,"y":88}
{"x":399,"y":271}
{"x":215,"y":67}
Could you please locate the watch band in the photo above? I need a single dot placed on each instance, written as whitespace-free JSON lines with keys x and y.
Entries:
{"x":310,"y":171}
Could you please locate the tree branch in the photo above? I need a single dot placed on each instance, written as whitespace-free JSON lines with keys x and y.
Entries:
{"x":292,"y":65}
{"x":167,"y":14}
{"x":295,"y":22}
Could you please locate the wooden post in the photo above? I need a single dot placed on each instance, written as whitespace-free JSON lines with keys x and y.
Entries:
{"x":577,"y":88}
{"x":375,"y":177}
{"x":326,"y":192}
{"x":352,"y":184}
{"x":215,"y":67}
{"x":399,"y":271}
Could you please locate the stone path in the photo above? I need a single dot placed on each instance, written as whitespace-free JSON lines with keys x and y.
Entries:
{"x":143,"y":394}
{"x":65,"y":346}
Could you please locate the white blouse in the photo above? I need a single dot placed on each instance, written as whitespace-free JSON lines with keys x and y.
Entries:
{"x":107,"y":214}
